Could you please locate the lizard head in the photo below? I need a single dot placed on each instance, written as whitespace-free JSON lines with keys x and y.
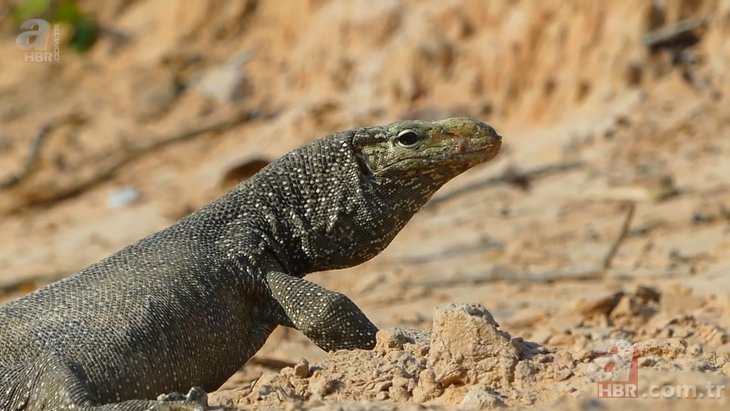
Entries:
{"x":400,"y":166}
{"x":408,"y":161}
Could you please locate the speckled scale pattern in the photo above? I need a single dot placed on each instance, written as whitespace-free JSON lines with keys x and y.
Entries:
{"x":189,"y":305}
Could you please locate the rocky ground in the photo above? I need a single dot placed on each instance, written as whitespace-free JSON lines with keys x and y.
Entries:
{"x":605,"y":222}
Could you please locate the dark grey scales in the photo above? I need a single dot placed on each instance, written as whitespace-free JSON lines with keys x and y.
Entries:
{"x":187,"y":306}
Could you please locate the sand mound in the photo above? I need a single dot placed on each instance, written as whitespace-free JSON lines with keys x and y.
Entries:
{"x":466,"y":360}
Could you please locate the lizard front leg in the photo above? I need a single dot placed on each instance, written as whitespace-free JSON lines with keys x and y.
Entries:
{"x":330,"y":319}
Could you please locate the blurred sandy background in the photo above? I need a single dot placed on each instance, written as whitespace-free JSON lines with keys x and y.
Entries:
{"x":607,"y":215}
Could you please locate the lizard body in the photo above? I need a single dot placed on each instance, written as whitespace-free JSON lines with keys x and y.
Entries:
{"x":189,"y":305}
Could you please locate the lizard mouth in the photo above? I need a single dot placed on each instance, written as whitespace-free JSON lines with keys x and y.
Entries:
{"x":469,"y":158}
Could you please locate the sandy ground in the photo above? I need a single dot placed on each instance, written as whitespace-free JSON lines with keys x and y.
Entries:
{"x":605,"y":221}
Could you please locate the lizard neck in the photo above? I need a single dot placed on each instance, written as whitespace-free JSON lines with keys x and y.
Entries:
{"x":310,"y":211}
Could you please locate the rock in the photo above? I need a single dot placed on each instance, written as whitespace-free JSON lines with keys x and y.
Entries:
{"x":392,"y":339}
{"x":401,"y":389}
{"x":626,"y":307}
{"x":694,"y":350}
{"x":564,"y":359}
{"x":524,"y":372}
{"x":264,"y":386}
{"x":427,"y":387}
{"x":648,"y":361}
{"x":467,"y":347}
{"x":648,"y":294}
{"x":481,"y":398}
{"x":562,"y":374}
{"x":122,"y":197}
{"x":599,"y":306}
{"x":321,"y":385}
{"x":383,"y":385}
{"x":301,"y":369}
{"x":630,"y":312}
{"x":713,"y":335}
{"x":669,"y":348}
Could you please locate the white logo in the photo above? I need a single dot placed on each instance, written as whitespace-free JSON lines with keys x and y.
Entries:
{"x":34,"y":41}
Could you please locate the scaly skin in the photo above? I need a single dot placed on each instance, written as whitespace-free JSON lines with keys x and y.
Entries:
{"x":187,"y":306}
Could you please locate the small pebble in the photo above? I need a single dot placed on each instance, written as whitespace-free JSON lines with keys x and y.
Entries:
{"x":122,"y":198}
{"x":301,"y":369}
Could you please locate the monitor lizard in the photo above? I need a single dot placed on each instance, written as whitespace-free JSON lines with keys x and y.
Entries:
{"x":189,"y":305}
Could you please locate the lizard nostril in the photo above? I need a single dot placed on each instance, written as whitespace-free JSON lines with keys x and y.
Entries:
{"x":489,"y":131}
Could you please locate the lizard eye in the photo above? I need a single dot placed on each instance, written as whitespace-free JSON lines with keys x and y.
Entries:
{"x":407,"y":138}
